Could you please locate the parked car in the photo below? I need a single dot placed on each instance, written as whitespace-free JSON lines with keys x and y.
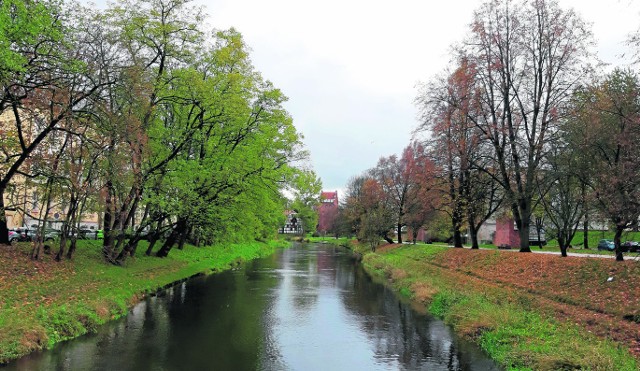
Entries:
{"x":87,"y":234}
{"x":630,"y":246}
{"x":13,"y":236}
{"x":20,"y":235}
{"x":606,"y":245}
{"x":50,"y":234}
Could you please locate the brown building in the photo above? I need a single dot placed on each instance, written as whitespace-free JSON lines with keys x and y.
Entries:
{"x":327,"y":212}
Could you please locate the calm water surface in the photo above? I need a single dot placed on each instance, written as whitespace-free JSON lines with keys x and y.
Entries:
{"x":305,"y":308}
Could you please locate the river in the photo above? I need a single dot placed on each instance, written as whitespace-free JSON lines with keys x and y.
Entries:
{"x":309,"y":307}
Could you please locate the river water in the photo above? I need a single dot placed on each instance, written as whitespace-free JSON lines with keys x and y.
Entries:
{"x":309,"y":307}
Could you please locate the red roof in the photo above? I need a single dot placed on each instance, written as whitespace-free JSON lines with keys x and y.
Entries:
{"x":329,"y":195}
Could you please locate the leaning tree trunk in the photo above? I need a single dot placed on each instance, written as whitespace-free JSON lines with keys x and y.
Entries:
{"x":168,"y":245}
{"x":153,"y":238}
{"x":128,"y":250}
{"x":386,"y":238}
{"x":72,"y":247}
{"x":180,"y":228}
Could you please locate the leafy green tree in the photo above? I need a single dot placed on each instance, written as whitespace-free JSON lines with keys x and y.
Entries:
{"x":307,"y":188}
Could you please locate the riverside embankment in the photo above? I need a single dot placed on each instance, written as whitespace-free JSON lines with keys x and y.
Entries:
{"x":527,"y":311}
{"x":45,"y":302}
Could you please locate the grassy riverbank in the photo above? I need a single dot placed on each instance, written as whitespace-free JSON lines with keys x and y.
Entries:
{"x":527,"y":311}
{"x":45,"y":302}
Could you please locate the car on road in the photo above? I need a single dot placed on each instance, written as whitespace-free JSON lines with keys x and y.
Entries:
{"x":630,"y":246}
{"x":606,"y":245}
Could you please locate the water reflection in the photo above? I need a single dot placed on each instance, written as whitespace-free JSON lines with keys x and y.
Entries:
{"x":305,"y":308}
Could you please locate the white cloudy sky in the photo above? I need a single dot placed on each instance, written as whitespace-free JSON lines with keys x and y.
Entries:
{"x":350,"y":67}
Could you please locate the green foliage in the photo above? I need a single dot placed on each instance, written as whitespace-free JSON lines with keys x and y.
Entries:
{"x":24,"y":24}
{"x":307,"y":188}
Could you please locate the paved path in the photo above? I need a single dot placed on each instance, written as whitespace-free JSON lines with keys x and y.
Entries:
{"x":627,"y":256}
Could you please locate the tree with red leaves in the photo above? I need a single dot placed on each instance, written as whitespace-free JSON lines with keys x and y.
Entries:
{"x":451,"y":109}
{"x":403,"y":181}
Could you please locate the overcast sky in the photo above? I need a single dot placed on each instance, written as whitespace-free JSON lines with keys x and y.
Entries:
{"x":350,"y":67}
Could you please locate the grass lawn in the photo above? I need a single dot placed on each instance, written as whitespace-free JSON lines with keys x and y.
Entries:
{"x":527,"y":311}
{"x":44,"y":302}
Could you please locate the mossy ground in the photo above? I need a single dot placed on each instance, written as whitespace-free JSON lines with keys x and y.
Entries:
{"x":45,"y":302}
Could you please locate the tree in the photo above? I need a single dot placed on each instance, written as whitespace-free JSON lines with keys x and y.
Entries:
{"x":400,"y":179}
{"x":561,"y":194}
{"x":45,"y":78}
{"x":307,"y":188}
{"x":528,"y":56}
{"x":450,"y":111}
{"x":606,"y":128}
{"x":378,"y":214}
{"x":367,"y":210}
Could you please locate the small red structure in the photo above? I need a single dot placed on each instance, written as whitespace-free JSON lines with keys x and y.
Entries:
{"x":327,"y":211}
{"x":506,"y":233}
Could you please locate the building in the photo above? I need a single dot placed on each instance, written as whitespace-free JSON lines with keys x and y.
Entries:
{"x":293,"y":225}
{"x":24,"y":201}
{"x":327,"y":212}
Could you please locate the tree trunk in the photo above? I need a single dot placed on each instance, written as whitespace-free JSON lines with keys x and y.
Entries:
{"x":60,"y":252}
{"x":616,"y":241}
{"x":399,"y":228}
{"x":153,"y":237}
{"x":473,"y":233}
{"x":563,"y":245}
{"x":168,"y":244}
{"x":585,"y":230}
{"x":456,"y":224}
{"x":386,"y":238}
{"x":127,"y":250}
{"x":181,"y":241}
{"x":4,"y":231}
{"x":457,"y":238}
{"x":107,"y":243}
{"x":72,"y":248}
{"x":523,"y":227}
{"x":180,"y":228}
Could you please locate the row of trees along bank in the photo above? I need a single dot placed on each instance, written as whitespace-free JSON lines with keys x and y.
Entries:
{"x":140,"y":113}
{"x":524,"y":121}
